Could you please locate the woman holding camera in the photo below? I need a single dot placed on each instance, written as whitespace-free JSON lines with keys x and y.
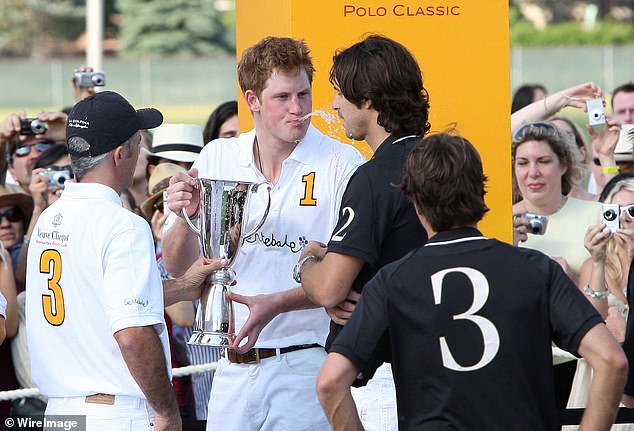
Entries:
{"x":604,"y":276}
{"x":545,"y":169}
{"x":611,"y":247}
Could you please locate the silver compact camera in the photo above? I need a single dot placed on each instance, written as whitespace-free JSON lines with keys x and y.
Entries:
{"x":90,"y":79}
{"x":596,"y":115}
{"x":610,"y":216}
{"x":536,"y":223}
{"x":57,"y":176}
{"x":32,"y":126}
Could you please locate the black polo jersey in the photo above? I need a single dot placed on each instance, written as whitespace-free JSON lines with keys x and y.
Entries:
{"x":377,"y":223}
{"x":470,"y":321}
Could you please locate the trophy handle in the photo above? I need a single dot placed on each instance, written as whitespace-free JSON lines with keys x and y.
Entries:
{"x":191,"y":225}
{"x":254,"y":188}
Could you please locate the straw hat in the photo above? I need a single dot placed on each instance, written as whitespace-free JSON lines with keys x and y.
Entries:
{"x":177,"y":142}
{"x":157,"y":184}
{"x":12,"y":195}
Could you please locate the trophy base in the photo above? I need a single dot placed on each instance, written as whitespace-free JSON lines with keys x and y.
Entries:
{"x":216,"y":339}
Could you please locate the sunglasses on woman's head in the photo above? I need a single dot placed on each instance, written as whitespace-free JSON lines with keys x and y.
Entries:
{"x":533,"y":127}
{"x":12,"y":214}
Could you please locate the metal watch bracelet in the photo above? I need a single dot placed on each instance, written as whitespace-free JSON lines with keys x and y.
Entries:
{"x":297,"y":269}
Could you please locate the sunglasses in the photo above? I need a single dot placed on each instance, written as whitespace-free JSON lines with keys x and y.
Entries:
{"x":12,"y":214}
{"x":26,"y":149}
{"x":531,"y":128}
{"x":628,"y":209}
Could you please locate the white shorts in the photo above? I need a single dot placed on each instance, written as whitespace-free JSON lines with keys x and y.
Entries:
{"x":126,"y":414}
{"x":376,"y":402}
{"x":278,"y":394}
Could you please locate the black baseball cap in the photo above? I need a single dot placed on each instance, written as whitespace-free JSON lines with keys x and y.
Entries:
{"x":106,"y":120}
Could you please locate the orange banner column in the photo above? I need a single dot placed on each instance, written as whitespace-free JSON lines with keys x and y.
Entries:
{"x":462,"y":47}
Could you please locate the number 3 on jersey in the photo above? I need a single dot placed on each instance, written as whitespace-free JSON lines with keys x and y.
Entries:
{"x":490,"y":336}
{"x":51,"y":264}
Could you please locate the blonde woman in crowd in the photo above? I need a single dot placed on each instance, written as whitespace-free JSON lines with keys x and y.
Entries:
{"x":604,"y":275}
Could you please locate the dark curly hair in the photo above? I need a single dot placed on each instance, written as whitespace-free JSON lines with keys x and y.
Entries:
{"x":445,"y":180}
{"x":384,"y":72}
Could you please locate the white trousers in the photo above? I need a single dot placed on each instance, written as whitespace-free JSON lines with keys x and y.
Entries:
{"x":126,"y":414}
{"x":278,"y":394}
{"x":376,"y":401}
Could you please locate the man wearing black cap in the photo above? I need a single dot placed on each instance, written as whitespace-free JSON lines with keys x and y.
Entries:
{"x":94,"y":292}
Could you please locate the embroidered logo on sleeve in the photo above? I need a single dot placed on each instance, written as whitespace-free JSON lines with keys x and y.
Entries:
{"x":142,"y":302}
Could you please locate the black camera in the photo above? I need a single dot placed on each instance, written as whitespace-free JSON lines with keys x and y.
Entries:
{"x":57,"y":176}
{"x":90,"y":79}
{"x":32,"y":126}
{"x":536,"y":223}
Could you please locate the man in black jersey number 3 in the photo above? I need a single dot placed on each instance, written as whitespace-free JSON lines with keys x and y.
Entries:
{"x":470,"y":319}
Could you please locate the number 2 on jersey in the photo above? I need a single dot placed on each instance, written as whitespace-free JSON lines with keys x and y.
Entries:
{"x":345,"y":212}
{"x":51,"y":263}
{"x":490,"y":336}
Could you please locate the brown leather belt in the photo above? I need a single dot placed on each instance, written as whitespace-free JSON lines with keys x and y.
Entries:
{"x":254,"y":356}
{"x":100,"y":399}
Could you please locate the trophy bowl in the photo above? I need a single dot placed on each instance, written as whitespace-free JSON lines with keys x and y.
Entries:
{"x":223,"y":207}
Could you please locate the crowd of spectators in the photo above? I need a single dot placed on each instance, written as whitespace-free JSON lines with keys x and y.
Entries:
{"x":573,"y":200}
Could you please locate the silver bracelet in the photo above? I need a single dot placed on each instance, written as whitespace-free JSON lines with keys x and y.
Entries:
{"x":595,"y":294}
{"x":297,"y":269}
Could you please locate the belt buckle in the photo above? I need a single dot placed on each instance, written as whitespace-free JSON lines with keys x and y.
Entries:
{"x":257,"y":358}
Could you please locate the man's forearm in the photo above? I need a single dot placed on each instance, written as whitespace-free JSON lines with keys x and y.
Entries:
{"x":293,"y":299}
{"x":143,"y":353}
{"x":327,"y":282}
{"x":180,"y":248}
{"x":609,"y":366}
{"x":603,"y":400}
{"x":342,"y":412}
{"x":174,"y":291}
{"x":333,"y":388}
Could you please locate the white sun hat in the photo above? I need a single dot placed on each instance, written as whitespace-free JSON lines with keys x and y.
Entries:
{"x":177,"y":142}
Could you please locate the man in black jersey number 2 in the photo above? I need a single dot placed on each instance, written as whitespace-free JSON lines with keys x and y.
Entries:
{"x":470,"y":319}
{"x":381,"y":99}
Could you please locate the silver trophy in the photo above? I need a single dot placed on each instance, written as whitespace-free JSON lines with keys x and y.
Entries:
{"x":222,"y":214}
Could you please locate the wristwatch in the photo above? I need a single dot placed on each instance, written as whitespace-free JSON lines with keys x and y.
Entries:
{"x":297,"y":269}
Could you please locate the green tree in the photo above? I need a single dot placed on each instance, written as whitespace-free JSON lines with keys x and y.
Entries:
{"x":43,"y":28}
{"x":178,"y":27}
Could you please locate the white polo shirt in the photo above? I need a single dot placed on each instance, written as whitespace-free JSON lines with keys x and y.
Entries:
{"x":304,"y":206}
{"x":91,"y":272}
{"x":3,"y":305}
